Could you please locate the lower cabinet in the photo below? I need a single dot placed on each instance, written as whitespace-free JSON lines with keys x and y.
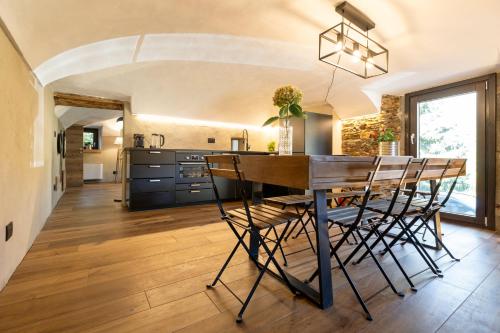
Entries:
{"x":226,"y":188}
{"x":193,"y":195}
{"x":152,"y":185}
{"x":155,"y":180}
{"x":151,"y":200}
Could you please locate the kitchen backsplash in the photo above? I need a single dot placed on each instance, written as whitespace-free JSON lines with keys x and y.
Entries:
{"x":182,"y":136}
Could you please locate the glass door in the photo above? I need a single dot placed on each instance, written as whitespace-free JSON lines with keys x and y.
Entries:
{"x":451,"y":123}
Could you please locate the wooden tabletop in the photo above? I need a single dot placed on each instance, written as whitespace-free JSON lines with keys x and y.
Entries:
{"x":314,"y":172}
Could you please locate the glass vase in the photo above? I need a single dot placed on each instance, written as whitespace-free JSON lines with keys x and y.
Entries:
{"x":285,"y":139}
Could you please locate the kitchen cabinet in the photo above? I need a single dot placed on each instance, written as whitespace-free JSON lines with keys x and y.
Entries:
{"x":151,"y":178}
{"x":159,"y":178}
{"x":312,"y":136}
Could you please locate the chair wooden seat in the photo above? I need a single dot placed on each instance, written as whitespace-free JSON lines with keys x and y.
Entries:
{"x":417,"y":202}
{"x":382,"y":206}
{"x":263,"y":216}
{"x":288,"y":200}
{"x":347,"y":215}
{"x":295,"y":199}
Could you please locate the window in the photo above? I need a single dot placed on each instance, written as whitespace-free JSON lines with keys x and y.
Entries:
{"x":91,"y":138}
{"x":458,"y":120}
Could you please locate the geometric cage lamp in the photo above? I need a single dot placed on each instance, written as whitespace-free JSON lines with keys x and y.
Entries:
{"x":349,"y":46}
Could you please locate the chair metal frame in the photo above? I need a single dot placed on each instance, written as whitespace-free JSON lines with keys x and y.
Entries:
{"x":427,"y":213}
{"x":250,"y":228}
{"x":391,"y":219}
{"x":353,"y":228}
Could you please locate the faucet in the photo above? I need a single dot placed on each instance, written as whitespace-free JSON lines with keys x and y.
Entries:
{"x":245,"y":140}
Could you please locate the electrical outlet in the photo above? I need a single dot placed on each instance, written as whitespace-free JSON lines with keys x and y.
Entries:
{"x":9,"y":230}
{"x":211,"y":140}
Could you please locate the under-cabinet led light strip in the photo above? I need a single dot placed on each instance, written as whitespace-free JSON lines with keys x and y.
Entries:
{"x":206,"y":123}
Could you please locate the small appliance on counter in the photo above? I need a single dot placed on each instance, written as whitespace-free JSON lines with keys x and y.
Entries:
{"x":138,"y":140}
{"x":157,"y":141}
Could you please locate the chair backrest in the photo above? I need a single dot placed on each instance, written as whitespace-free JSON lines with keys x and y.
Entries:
{"x":410,"y":182}
{"x":393,"y":173}
{"x":371,"y":176}
{"x":227,"y":166}
{"x":393,"y":169}
{"x":221,"y":166}
{"x":439,"y":169}
{"x":455,"y":168}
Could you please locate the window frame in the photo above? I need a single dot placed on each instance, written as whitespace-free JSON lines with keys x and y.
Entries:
{"x":96,"y":137}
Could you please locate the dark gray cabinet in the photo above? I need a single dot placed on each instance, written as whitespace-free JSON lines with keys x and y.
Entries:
{"x":312,"y":136}
{"x":163,"y":178}
{"x":226,"y":188}
{"x":151,"y":181}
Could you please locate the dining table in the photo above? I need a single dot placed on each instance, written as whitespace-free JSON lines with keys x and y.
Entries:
{"x":316,"y":173}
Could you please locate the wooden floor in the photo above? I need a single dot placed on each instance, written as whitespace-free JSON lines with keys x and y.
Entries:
{"x":98,"y":268}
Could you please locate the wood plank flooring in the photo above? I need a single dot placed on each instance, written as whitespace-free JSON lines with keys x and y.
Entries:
{"x":96,"y":267}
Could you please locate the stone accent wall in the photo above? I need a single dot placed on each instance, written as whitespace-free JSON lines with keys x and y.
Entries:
{"x":359,"y":135}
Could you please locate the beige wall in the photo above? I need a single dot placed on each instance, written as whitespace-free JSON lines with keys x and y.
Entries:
{"x":192,"y":136}
{"x":57,"y":161}
{"x":337,"y":135}
{"x":26,"y":136}
{"x":107,"y":156}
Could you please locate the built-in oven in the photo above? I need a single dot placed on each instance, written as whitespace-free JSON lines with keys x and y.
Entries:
{"x":192,"y":178}
{"x":191,"y":168}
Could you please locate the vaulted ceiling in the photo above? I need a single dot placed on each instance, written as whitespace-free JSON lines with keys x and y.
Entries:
{"x":222,"y":60}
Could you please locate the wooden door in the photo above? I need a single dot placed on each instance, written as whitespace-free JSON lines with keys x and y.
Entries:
{"x":74,"y":156}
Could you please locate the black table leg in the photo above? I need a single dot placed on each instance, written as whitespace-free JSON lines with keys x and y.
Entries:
{"x":323,"y":298}
{"x":323,"y":249}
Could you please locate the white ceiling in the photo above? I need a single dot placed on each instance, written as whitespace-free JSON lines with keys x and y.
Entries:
{"x":222,"y":60}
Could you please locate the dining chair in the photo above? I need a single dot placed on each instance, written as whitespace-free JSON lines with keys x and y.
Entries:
{"x":394,"y":209}
{"x":305,"y":203}
{"x":427,"y":206}
{"x":249,"y":220}
{"x":352,"y":218}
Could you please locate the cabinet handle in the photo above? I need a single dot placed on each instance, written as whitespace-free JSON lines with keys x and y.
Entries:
{"x":195,"y":185}
{"x":154,"y":166}
{"x":194,"y":191}
{"x":154,"y":180}
{"x":155,"y":152}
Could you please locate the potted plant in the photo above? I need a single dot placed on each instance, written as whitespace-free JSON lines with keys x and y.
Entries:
{"x":387,"y":143}
{"x":271,"y":146}
{"x":288,"y":99}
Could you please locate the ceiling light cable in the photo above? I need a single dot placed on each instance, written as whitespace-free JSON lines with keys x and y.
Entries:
{"x":335,"y":68}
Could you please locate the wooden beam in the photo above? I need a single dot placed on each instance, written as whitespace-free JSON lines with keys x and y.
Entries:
{"x":87,"y":101}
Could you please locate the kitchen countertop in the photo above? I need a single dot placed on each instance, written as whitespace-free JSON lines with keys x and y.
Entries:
{"x":250,"y":152}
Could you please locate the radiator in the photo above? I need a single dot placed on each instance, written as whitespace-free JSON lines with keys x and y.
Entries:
{"x":92,"y":171}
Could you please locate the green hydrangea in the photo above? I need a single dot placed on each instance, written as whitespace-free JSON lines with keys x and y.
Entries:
{"x":287,"y":95}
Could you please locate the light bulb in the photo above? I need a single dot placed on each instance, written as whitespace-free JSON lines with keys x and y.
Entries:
{"x":356,"y":56}
{"x":339,"y":46}
{"x":369,"y":63}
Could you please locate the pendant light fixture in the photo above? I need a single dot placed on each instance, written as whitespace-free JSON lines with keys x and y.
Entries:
{"x":349,"y":46}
